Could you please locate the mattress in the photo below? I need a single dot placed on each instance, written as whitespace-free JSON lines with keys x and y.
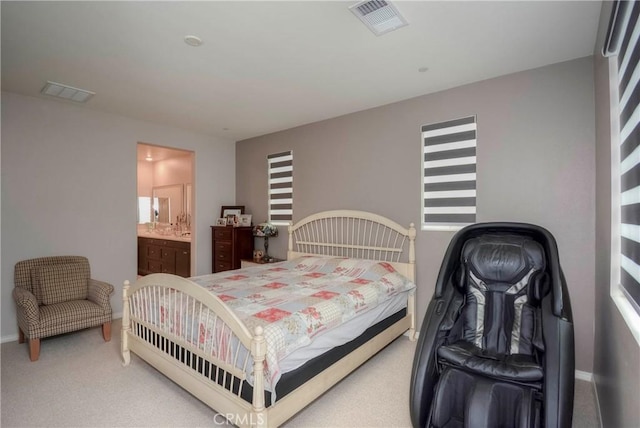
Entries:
{"x":343,"y":333}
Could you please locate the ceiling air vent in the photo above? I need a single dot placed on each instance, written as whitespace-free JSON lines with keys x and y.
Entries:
{"x":67,"y":92}
{"x":379,"y":16}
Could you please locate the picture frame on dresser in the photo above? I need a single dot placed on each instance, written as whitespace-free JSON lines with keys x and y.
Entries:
{"x":221,"y":222}
{"x":244,"y":220}
{"x":231,"y":210}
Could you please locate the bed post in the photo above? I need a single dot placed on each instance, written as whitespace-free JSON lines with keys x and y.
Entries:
{"x":290,"y":245}
{"x":126,"y":325}
{"x":411,"y":304}
{"x":258,"y":351}
{"x":412,"y":245}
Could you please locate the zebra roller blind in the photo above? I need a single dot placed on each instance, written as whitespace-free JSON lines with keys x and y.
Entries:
{"x":449,"y":172}
{"x":623,"y":41}
{"x":280,"y":169}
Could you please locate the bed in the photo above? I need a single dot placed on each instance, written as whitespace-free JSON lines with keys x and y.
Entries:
{"x":254,"y":365}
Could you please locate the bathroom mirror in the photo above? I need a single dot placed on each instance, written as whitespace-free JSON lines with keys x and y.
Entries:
{"x":187,"y":199}
{"x":168,"y":203}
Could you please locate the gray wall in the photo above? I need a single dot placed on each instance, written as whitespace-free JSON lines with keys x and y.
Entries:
{"x":69,"y":187}
{"x":535,"y":164}
{"x":616,"y":365}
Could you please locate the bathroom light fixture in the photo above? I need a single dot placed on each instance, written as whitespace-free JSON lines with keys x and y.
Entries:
{"x":67,"y":92}
{"x":148,"y":158}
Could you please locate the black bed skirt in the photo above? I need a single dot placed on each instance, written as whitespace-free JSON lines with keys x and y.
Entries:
{"x":288,"y":382}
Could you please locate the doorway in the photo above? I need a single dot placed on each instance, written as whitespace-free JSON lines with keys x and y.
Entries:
{"x":165,"y":210}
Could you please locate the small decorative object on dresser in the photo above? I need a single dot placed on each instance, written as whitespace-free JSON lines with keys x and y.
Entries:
{"x":221,"y":222}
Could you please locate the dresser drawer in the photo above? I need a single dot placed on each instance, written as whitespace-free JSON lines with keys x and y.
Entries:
{"x":154,"y":252}
{"x":168,"y":260}
{"x":222,"y":247}
{"x":221,"y":266}
{"x":223,"y":234}
{"x":154,"y":266}
{"x":223,"y":256}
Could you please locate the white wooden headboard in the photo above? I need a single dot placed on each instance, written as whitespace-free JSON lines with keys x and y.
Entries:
{"x":355,"y":234}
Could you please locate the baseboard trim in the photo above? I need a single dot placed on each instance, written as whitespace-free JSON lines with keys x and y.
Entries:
{"x":416,"y":334}
{"x":9,"y":338}
{"x":586,"y":376}
{"x":595,"y":393}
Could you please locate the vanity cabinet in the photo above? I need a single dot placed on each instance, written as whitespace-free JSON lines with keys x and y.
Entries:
{"x":230,"y":245}
{"x":164,"y":256}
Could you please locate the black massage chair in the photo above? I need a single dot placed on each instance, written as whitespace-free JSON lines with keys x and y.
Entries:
{"x":496,"y":346}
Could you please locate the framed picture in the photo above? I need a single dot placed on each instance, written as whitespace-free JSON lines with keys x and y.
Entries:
{"x":228,"y":210}
{"x":231,"y":219}
{"x":244,"y":220}
{"x":221,"y":222}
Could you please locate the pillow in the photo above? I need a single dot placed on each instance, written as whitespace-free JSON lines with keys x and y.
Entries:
{"x":313,"y":264}
{"x":60,"y":283}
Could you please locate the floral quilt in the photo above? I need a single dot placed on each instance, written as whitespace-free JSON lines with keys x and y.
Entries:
{"x":296,"y":300}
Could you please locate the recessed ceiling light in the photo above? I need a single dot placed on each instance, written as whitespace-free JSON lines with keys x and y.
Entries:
{"x":148,"y":158}
{"x":194,"y":41}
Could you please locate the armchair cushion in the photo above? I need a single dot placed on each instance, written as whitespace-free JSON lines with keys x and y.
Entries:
{"x":60,"y":282}
{"x":70,"y":316}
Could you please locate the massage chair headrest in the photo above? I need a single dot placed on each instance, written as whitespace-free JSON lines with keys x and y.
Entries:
{"x":504,"y":260}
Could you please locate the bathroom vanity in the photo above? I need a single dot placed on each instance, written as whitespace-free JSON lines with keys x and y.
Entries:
{"x":164,"y":254}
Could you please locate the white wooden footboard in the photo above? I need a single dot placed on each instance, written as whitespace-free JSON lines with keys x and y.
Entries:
{"x":213,"y":367}
{"x":217,"y":378}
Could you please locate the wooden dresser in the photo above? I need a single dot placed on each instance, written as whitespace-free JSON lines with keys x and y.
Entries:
{"x":230,"y":246}
{"x":164,"y":256}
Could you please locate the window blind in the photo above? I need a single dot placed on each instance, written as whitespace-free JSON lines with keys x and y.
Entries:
{"x":280,"y":170}
{"x":449,"y":188}
{"x":625,"y":31}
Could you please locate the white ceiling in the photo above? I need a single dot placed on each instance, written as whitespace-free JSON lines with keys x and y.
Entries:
{"x":272,"y":65}
{"x":158,"y":153}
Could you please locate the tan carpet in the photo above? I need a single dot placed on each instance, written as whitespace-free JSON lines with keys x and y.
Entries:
{"x":79,"y":382}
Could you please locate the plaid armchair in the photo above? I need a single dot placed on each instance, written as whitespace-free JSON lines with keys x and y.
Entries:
{"x":56,"y":295}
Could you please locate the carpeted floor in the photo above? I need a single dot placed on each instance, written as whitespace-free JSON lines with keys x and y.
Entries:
{"x":79,"y":382}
